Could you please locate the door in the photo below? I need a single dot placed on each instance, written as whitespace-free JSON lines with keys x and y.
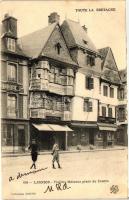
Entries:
{"x":21,"y":139}
{"x":91,"y":137}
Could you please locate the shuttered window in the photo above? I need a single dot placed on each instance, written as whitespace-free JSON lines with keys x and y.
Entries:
{"x":109,"y":112}
{"x":87,"y":106}
{"x":103,"y":111}
{"x":105,"y":90}
{"x":89,"y":83}
{"x":111,"y":92}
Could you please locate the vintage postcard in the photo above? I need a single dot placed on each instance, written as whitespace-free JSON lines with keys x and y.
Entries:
{"x":64,"y":100}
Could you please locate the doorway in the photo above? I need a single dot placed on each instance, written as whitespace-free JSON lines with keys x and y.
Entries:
{"x":91,"y":137}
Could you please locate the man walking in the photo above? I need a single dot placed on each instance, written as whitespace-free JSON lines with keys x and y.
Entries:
{"x":34,"y":153}
{"x":55,"y":153}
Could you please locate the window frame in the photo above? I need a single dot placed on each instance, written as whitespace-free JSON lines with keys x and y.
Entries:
{"x":89,"y":82}
{"x":111,"y":92}
{"x":87,"y":105}
{"x":11,"y":44}
{"x":110,"y":113}
{"x":105,"y":86}
{"x":9,"y":78}
{"x":104,"y":112}
{"x":10,"y":108}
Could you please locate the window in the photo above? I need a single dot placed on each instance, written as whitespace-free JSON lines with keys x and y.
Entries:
{"x":12,"y":105}
{"x":90,"y":60}
{"x":87,"y":106}
{"x":109,"y":112}
{"x":89,"y":82}
{"x":10,"y":132}
{"x":58,"y":48}
{"x":121,"y":94}
{"x":105,"y":90}
{"x":12,"y":72}
{"x":39,"y":75}
{"x":122,"y":114}
{"x":11,"y":44}
{"x":103,"y":111}
{"x":111,"y":92}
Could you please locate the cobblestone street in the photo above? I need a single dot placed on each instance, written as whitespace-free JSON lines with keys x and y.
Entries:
{"x":89,"y":174}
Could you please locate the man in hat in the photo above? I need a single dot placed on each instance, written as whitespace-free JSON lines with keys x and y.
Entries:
{"x":55,"y":153}
{"x":34,"y":153}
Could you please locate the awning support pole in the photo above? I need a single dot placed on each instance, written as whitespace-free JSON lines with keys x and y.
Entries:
{"x":66,"y":140}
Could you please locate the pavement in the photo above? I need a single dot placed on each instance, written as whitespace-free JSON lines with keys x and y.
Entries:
{"x":114,"y":148}
{"x":92,"y":174}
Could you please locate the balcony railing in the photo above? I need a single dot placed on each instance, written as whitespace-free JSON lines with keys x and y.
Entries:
{"x":106,"y":119}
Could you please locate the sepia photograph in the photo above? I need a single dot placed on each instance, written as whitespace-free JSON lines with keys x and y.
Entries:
{"x":64,"y":100}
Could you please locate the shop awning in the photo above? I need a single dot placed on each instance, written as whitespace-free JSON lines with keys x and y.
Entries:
{"x":51,"y":127}
{"x":56,"y":127}
{"x":88,"y":125}
{"x":107,"y":127}
{"x":42,"y":127}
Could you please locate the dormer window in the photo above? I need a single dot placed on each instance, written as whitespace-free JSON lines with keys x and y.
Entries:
{"x":90,"y":60}
{"x":11,"y":44}
{"x":58,"y":48}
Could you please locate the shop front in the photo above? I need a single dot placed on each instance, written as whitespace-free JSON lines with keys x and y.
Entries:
{"x":106,"y":135}
{"x":47,"y":134}
{"x":15,"y":136}
{"x":83,"y":136}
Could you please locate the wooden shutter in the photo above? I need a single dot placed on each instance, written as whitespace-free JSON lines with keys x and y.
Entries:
{"x":91,"y":83}
{"x":20,"y":74}
{"x":87,"y":82}
{"x":3,"y":104}
{"x":109,"y":112}
{"x":3,"y":71}
{"x":20,"y":106}
{"x":104,"y":111}
{"x":89,"y":106}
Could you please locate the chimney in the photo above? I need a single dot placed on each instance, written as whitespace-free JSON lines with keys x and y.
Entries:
{"x":85,"y":29}
{"x":53,"y":17}
{"x":10,"y":25}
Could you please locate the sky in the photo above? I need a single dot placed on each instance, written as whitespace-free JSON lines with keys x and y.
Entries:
{"x":105,"y":28}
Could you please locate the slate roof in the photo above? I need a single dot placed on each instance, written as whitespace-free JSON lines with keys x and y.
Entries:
{"x":33,"y":43}
{"x":79,"y":35}
{"x":109,"y":72}
{"x":123,"y":75}
{"x":104,"y":51}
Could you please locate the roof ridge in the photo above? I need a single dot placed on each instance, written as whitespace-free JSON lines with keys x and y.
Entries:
{"x":38,"y":30}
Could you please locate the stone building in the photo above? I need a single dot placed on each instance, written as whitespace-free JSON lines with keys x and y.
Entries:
{"x":14,"y":90}
{"x":52,"y":77}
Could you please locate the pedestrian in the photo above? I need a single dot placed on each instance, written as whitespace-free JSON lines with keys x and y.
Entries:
{"x":55,"y":153}
{"x":34,"y":153}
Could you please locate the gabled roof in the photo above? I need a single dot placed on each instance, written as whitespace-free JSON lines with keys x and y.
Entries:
{"x":33,"y":43}
{"x":104,"y":52}
{"x":109,"y":68}
{"x":78,"y":34}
